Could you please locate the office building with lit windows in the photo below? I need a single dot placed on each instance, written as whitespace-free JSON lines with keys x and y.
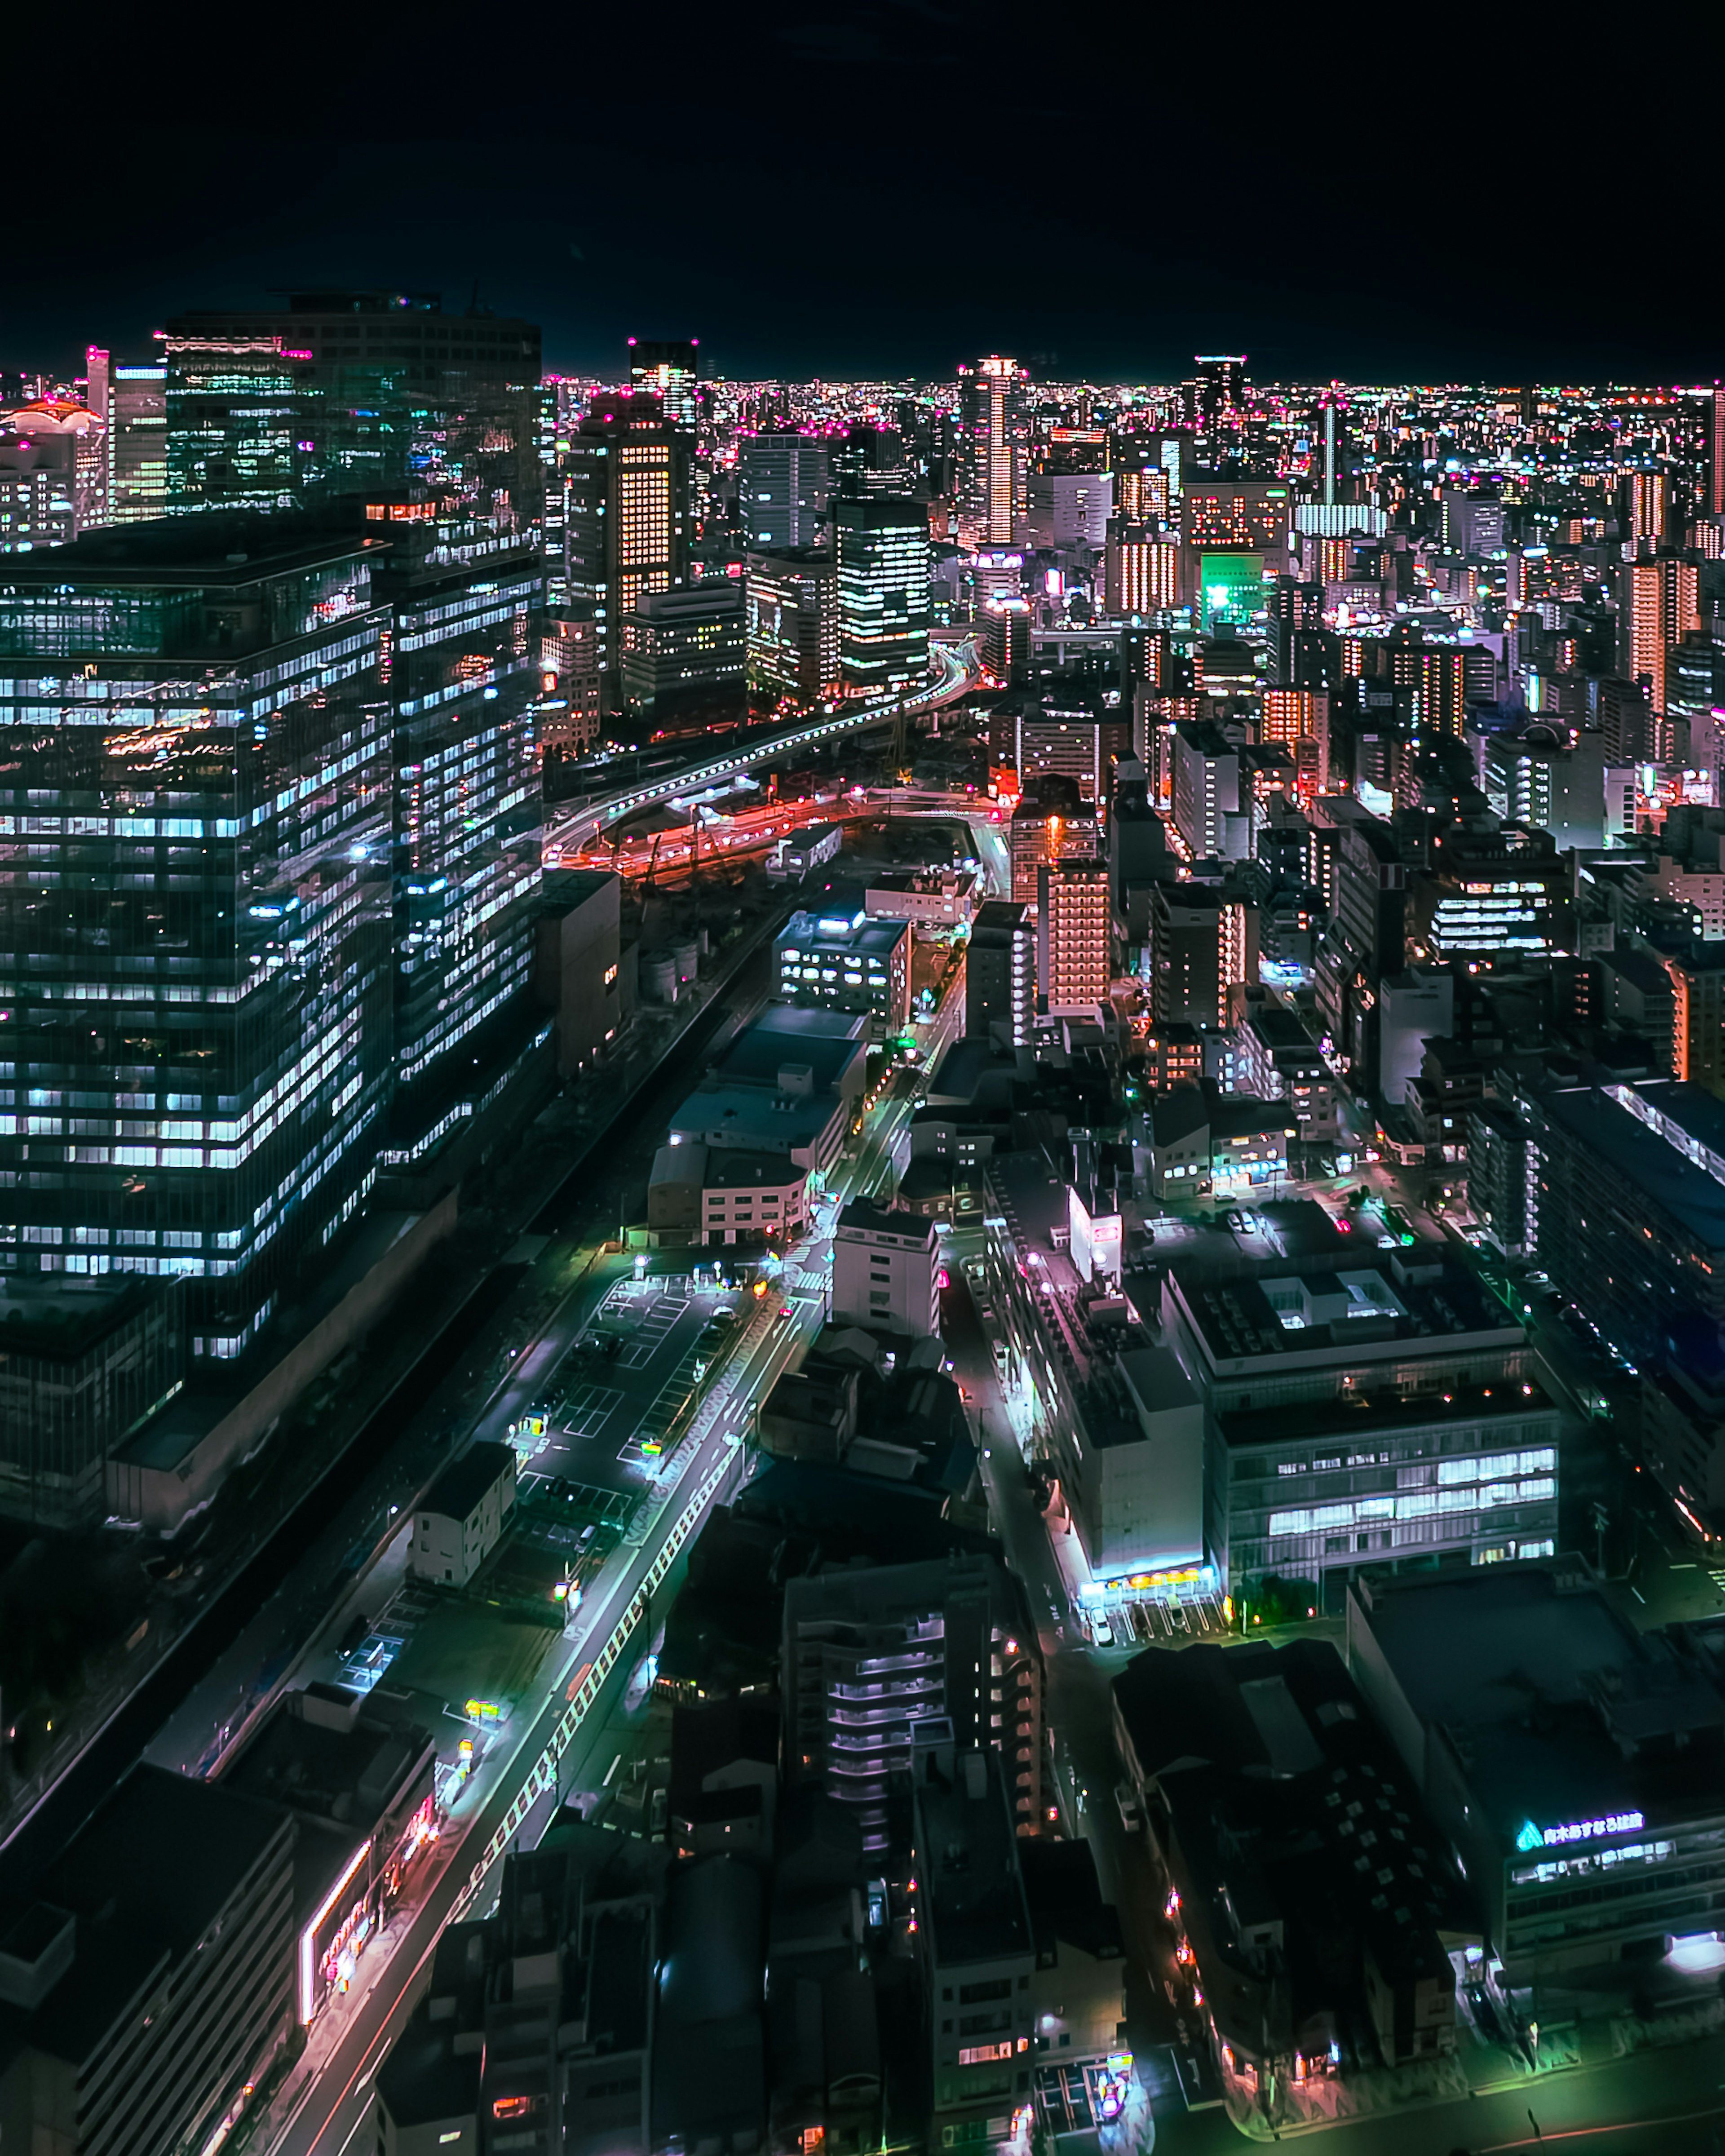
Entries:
{"x":197,"y":928}
{"x":782,"y":486}
{"x":463,"y":676}
{"x":668,"y":368}
{"x":1248,"y":515}
{"x":353,"y":393}
{"x":137,"y":414}
{"x":992,"y":439}
{"x":1364,"y":1410}
{"x":885,"y":610}
{"x":1574,"y":1765}
{"x":627,"y":520}
{"x":845,"y":962}
{"x":791,"y":623}
{"x":685,"y":647}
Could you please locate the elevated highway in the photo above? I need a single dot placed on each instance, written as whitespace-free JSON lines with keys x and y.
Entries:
{"x":957,"y":671}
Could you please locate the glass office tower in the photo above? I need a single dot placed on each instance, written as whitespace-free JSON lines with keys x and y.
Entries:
{"x":195,"y":812}
{"x":463,"y":676}
{"x":356,"y":393}
{"x":884,"y":606}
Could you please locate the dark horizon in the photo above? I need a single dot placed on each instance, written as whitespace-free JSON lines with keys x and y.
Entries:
{"x":883,"y":189}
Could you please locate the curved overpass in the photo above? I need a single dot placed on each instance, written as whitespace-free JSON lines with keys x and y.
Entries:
{"x":960,"y":670}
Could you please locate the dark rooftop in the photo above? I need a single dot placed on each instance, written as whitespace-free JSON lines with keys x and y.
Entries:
{"x":464,"y":1483}
{"x":134,"y":1919}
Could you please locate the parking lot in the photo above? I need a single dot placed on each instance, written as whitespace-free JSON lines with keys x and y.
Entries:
{"x":609,"y":1403}
{"x":1156,"y":1622}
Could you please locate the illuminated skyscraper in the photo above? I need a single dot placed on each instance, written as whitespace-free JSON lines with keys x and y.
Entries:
{"x":883,"y":608}
{"x":1646,"y":496}
{"x":1072,"y":931}
{"x":783,"y":489}
{"x":1216,"y":395}
{"x":993,"y":438}
{"x":1299,"y":719}
{"x":627,"y":519}
{"x":1658,"y":605}
{"x":354,"y":392}
{"x":1141,"y":570}
{"x":1715,"y":452}
{"x":200,"y":1021}
{"x":137,"y":440}
{"x":669,"y":369}
{"x":1331,"y":457}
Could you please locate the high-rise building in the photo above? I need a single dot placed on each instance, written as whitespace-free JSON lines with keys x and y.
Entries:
{"x":1204,"y":942}
{"x":1073,"y":918}
{"x":669,"y":369}
{"x":1715,"y":452}
{"x":934,"y":1642}
{"x":783,"y":489}
{"x":355,"y":392}
{"x":463,"y":675}
{"x":201,"y":1016}
{"x":1052,"y":822}
{"x":992,"y":441}
{"x":999,"y":973}
{"x":137,"y":440}
{"x":685,"y":647}
{"x":1068,"y":509}
{"x":1249,"y":514}
{"x":1646,"y":507}
{"x":1658,"y":605}
{"x":1331,"y":460}
{"x":1141,"y":572}
{"x":1299,"y":720}
{"x":791,"y":623}
{"x":1059,"y":734}
{"x":1215,"y":397}
{"x":884,"y":606}
{"x":629,"y":519}
{"x":239,"y":420}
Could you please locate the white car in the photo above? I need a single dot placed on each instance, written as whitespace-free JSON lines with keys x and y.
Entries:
{"x":1102,"y":1631}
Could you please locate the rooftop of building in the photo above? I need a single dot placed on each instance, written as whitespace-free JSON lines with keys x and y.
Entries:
{"x":219,"y":547}
{"x":1325,"y":1312}
{"x":424,"y":2079}
{"x":862,"y":1216}
{"x":134,"y":1921}
{"x":1291,"y":1807}
{"x":1557,"y":1708}
{"x":1065,"y":1900}
{"x":464,"y":1482}
{"x":973,"y":1894}
{"x":319,"y":1756}
{"x":1179,"y":1115}
{"x":1602,"y":1123}
{"x":1367,"y":1408}
{"x":752,"y":1120}
{"x":846,"y":927}
{"x":728,"y":1170}
{"x":56,"y":1317}
{"x":999,"y":916}
{"x":760,"y":1053}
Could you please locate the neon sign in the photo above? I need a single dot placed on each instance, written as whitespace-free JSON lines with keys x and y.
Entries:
{"x":1557,"y":1837}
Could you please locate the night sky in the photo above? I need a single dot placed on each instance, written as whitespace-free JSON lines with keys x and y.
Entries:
{"x":889,"y":187}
